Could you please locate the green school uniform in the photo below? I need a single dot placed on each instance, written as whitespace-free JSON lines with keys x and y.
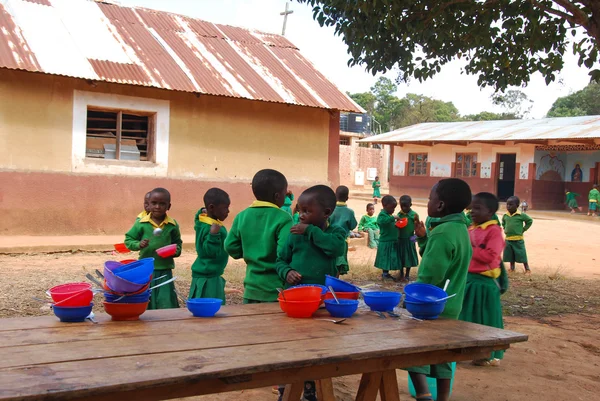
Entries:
{"x":593,"y":199}
{"x":515,"y":226}
{"x":343,"y":216}
{"x":376,"y":191}
{"x":258,"y":233}
{"x":369,"y":224}
{"x":407,"y":250}
{"x":312,"y":254}
{"x":430,"y":222}
{"x":296,"y":218}
{"x":287,"y":203}
{"x":162,"y":297}
{"x":387,"y":252}
{"x":571,"y":201}
{"x":208,"y":268}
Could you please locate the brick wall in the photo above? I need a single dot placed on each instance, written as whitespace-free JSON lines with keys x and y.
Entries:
{"x":354,"y":158}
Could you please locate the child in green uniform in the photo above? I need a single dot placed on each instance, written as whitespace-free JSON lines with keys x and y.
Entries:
{"x":446,"y":254}
{"x":368,"y":224}
{"x":146,"y":207}
{"x":141,"y":238}
{"x":484,"y":285}
{"x":387,"y":257}
{"x":344,"y":217}
{"x":296,"y":215}
{"x":407,"y":249}
{"x":571,"y":201}
{"x":593,"y":200}
{"x":376,"y":190}
{"x":287,"y":202}
{"x":208,"y":268}
{"x":257,"y":235}
{"x":515,"y":224}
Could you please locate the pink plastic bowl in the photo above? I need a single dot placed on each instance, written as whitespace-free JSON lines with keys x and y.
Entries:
{"x":167,"y":251}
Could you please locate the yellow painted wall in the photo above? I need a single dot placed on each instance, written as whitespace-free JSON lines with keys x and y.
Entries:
{"x":211,"y":138}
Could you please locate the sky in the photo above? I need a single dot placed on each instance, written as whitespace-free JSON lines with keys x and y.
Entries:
{"x":329,"y":54}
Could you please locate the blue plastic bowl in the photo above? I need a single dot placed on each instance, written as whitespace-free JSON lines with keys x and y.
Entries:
{"x":133,"y":299}
{"x":322,"y":287}
{"x":382,"y":301}
{"x":204,"y":307}
{"x":345,"y":308}
{"x":420,"y":292}
{"x":425,"y":310}
{"x":72,"y":314}
{"x":340,"y":285}
{"x":137,"y":272}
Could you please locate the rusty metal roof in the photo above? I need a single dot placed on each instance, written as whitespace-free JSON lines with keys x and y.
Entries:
{"x":107,"y":42}
{"x":545,"y":129}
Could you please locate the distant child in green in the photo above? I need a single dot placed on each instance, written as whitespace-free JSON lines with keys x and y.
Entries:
{"x":141,"y":238}
{"x":376,"y":190}
{"x":407,"y":249}
{"x":486,"y":280}
{"x":571,"y":201}
{"x":258,"y":234}
{"x":593,"y":200}
{"x":296,"y":215}
{"x":446,"y":254}
{"x":146,"y":207}
{"x":387,"y":257}
{"x":287,"y":203}
{"x":368,"y":224}
{"x":208,"y":268}
{"x":515,"y":224}
{"x":344,"y":217}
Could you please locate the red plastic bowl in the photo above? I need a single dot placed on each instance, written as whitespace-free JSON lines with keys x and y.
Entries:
{"x":121,"y":248}
{"x":72,"y":294}
{"x":403,"y":222}
{"x":299,"y":309}
{"x":127,"y":261}
{"x":121,"y":311}
{"x":343,"y":295}
{"x":302,"y":294}
{"x":167,"y":251}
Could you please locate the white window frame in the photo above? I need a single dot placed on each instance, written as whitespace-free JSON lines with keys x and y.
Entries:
{"x":160,"y":108}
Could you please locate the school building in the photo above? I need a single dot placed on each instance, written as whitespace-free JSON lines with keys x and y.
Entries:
{"x":100,"y":103}
{"x":536,"y":160}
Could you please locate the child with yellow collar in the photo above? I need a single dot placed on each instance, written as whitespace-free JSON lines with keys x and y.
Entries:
{"x":208,"y":268}
{"x":344,"y":217}
{"x":515,"y":224}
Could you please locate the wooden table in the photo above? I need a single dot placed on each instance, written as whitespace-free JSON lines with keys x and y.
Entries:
{"x":169,"y":354}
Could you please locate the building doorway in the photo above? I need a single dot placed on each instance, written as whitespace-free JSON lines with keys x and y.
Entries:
{"x":507,"y":166}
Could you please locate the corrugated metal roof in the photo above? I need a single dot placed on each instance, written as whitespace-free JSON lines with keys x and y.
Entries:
{"x":107,"y":42}
{"x":565,"y":128}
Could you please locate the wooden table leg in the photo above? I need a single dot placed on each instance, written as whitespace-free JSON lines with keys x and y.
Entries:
{"x":369,"y":386}
{"x":293,"y":391}
{"x":389,"y":386}
{"x":325,"y":390}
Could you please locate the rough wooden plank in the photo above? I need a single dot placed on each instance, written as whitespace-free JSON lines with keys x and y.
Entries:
{"x":325,"y":390}
{"x":369,"y":386}
{"x":389,"y":386}
{"x":293,"y":391}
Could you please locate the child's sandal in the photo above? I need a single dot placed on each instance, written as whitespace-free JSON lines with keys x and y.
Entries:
{"x":424,"y":397}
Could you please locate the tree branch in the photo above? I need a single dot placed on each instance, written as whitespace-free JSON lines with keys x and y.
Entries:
{"x":556,"y":12}
{"x":580,"y":16}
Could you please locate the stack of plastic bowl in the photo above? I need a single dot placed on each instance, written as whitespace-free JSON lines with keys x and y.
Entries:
{"x":126,"y":286}
{"x":300,"y":302}
{"x":421,"y":300}
{"x":343,"y":289}
{"x":324,"y":290}
{"x":72,"y":301}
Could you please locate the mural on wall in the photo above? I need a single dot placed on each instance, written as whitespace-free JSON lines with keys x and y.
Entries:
{"x":577,"y":173}
{"x":550,"y":168}
{"x":439,"y":170}
{"x":524,"y":172}
{"x":398,"y":166}
{"x":486,"y":170}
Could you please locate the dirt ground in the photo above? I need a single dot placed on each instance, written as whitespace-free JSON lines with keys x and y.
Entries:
{"x":557,"y":307}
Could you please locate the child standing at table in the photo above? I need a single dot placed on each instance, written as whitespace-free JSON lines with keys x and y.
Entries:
{"x":287,"y":203}
{"x":387,"y":257}
{"x":141,"y":238}
{"x":515,"y":224}
{"x":571,"y":201}
{"x":344,"y":217}
{"x":208,"y":268}
{"x":482,"y":294}
{"x":146,"y":207}
{"x":446,"y":254}
{"x":258,"y":233}
{"x":593,"y":200}
{"x":406,"y":247}
{"x":368,"y":224}
{"x":376,"y":190}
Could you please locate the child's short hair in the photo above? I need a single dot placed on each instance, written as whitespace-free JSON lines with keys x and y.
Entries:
{"x":515,"y":198}
{"x":342,"y":193}
{"x":405,"y":199}
{"x":455,"y":193}
{"x":147,"y":196}
{"x":386,"y":200}
{"x":489,"y":200}
{"x":369,"y":205}
{"x":324,"y":196}
{"x":161,"y":191}
{"x":266,"y":183}
{"x":216,"y":196}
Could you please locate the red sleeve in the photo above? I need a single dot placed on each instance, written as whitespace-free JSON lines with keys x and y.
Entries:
{"x":486,"y":257}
